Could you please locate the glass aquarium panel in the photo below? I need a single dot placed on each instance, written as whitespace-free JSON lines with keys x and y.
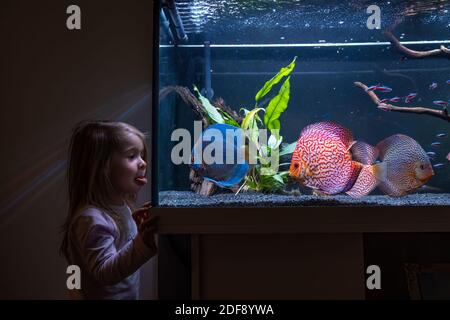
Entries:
{"x":329,"y":102}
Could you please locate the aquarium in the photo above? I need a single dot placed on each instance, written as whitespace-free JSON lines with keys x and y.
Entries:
{"x":316,"y":103}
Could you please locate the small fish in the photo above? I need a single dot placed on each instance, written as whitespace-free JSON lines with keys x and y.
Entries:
{"x":438,"y":165}
{"x":436,"y":144}
{"x":441,"y":135}
{"x":371,"y":88}
{"x":384,"y":100}
{"x":441,"y":103}
{"x":379,"y":87}
{"x":448,"y":156}
{"x":216,"y":166}
{"x":384,"y":89}
{"x":431,"y":154}
{"x":410,"y":96}
{"x":395,"y":99}
{"x":433,"y":86}
{"x":448,"y":81}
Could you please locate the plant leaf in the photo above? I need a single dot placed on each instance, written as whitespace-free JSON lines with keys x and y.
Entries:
{"x":290,"y":148}
{"x":210,"y":109}
{"x":285,"y":71}
{"x":249,"y":117}
{"x":278,"y":178}
{"x":277,"y":106}
{"x":228,"y":119}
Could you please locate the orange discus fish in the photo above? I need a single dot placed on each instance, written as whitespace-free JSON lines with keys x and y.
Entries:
{"x":322,"y":161}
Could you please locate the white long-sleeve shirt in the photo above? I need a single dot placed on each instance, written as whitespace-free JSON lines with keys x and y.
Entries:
{"x":109,"y":252}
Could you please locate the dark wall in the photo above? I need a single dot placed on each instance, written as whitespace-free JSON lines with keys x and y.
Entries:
{"x":52,"y":78}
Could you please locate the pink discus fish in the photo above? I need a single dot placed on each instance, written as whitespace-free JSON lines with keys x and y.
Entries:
{"x":322,"y":161}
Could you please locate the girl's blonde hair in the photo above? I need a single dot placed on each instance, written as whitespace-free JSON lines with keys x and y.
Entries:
{"x":89,"y":166}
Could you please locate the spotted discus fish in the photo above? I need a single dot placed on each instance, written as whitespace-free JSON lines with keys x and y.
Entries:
{"x":404,"y":164}
{"x":322,"y":161}
{"x":328,"y":160}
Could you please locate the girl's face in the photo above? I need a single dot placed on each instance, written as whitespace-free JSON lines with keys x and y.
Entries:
{"x":128,"y":169}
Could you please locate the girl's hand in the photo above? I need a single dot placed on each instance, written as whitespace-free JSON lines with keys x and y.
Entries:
{"x":142,"y":213}
{"x":147,"y":224}
{"x":148,"y":230}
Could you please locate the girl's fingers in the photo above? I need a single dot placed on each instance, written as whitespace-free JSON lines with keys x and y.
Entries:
{"x":147,"y":204}
{"x":141,"y":212}
{"x":137,"y":214}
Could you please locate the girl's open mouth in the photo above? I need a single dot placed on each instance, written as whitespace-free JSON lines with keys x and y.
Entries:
{"x":141,"y":180}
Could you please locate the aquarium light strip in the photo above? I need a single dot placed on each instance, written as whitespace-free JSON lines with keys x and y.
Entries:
{"x":327,"y":72}
{"x":292,"y":73}
{"x":318,"y":44}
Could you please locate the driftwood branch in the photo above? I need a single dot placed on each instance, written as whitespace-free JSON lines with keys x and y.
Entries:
{"x":220,"y":103}
{"x":413,"y":53}
{"x":443,"y":114}
{"x":191,"y":100}
{"x":201,"y":186}
{"x":188,"y":98}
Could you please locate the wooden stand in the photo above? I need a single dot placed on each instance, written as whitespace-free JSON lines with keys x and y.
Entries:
{"x":287,"y":253}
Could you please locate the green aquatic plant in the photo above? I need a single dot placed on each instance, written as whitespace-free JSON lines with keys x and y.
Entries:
{"x":265,"y":175}
{"x":214,"y":114}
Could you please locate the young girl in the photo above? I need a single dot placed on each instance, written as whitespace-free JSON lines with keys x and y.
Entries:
{"x":106,"y":169}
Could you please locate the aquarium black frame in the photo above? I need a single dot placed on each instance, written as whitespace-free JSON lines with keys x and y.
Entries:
{"x":155,"y":106}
